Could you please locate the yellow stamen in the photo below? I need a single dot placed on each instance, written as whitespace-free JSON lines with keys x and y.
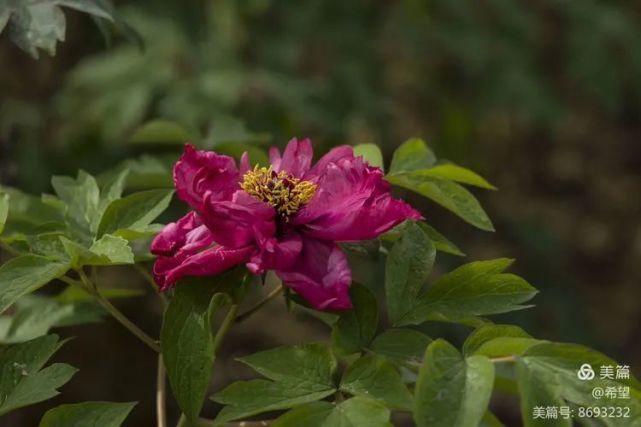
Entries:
{"x":284,"y":192}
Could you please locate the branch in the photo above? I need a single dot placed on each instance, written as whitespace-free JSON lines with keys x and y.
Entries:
{"x":503,"y":359}
{"x":161,"y":393}
{"x":273,"y":294}
{"x":117,"y":314}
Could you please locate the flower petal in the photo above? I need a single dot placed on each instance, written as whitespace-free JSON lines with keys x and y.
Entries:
{"x":352,"y":203}
{"x":240,"y":221}
{"x":214,"y":260}
{"x":334,"y":155}
{"x":200,"y":172}
{"x":296,"y":159}
{"x":276,"y":253}
{"x":174,"y":235}
{"x":321,"y":275}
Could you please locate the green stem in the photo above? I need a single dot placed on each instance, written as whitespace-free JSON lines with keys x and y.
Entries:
{"x":161,"y":393}
{"x":225,"y":326}
{"x":117,"y":314}
{"x":273,"y":294}
{"x":150,"y":280}
{"x":503,"y":359}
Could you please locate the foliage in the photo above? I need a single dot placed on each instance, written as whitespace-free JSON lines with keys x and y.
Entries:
{"x":374,"y":365}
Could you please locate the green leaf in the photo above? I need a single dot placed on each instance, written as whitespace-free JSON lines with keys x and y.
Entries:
{"x":82,"y":197}
{"x":187,"y":341}
{"x":452,"y":391}
{"x":160,"y":131}
{"x":441,"y":243}
{"x":486,"y":333}
{"x":411,"y":155}
{"x":371,"y":154}
{"x":547,"y":376}
{"x":453,"y":172}
{"x":247,"y":398}
{"x":475,"y":289}
{"x":408,"y":264}
{"x":25,"y":274}
{"x":75,"y":294}
{"x":354,"y":412}
{"x":112,"y":189}
{"x":304,"y":364}
{"x":134,"y":212}
{"x":4,"y":210}
{"x":401,"y":345}
{"x":108,"y":250}
{"x":356,"y":328}
{"x":30,"y":215}
{"x":113,"y":250}
{"x":373,"y":376}
{"x":23,"y":381}
{"x":40,"y":24}
{"x":449,"y":194}
{"x":299,"y":374}
{"x":87,"y":414}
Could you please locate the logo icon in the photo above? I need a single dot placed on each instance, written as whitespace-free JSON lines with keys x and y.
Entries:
{"x":585,"y":372}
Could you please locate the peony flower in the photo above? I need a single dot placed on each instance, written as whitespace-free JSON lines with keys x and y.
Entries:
{"x":287,"y":217}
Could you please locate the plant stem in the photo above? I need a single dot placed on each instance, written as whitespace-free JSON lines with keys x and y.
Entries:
{"x":503,"y":359}
{"x":149,"y":279}
{"x":225,"y":326}
{"x":161,"y":393}
{"x":117,"y":314}
{"x":273,"y":294}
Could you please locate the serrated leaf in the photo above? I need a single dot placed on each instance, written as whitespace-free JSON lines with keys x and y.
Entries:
{"x":354,"y":412}
{"x":475,"y":289}
{"x":411,"y":155}
{"x":401,"y":345}
{"x":112,"y":189}
{"x":113,"y":249}
{"x":25,"y":274}
{"x":4,"y":210}
{"x":487,"y":333}
{"x":408,"y":265}
{"x":87,"y":414}
{"x":457,"y":173}
{"x":452,"y":391}
{"x":356,"y":328}
{"x":373,"y":376}
{"x":449,"y":194}
{"x":82,"y":197}
{"x":371,"y":154}
{"x":134,"y":212}
{"x":160,"y":131}
{"x":23,"y":381}
{"x":187,"y":341}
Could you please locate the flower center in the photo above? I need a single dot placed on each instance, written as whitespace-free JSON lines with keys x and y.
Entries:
{"x":284,"y":192}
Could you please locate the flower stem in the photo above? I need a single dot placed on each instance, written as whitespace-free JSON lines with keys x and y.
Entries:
{"x":225,"y":326}
{"x":503,"y":359}
{"x":117,"y":314}
{"x":150,"y":280}
{"x":161,"y":393}
{"x":273,"y":294}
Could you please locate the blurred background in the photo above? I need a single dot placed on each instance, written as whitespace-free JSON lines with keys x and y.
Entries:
{"x":543,"y":98}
